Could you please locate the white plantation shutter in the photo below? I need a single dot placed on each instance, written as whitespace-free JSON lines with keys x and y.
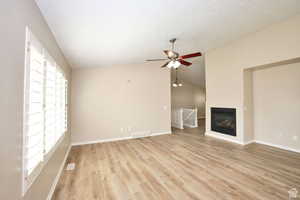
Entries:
{"x":66,"y":105}
{"x":34,"y":114}
{"x":50,"y":105}
{"x":45,"y":113}
{"x":58,"y":90}
{"x":62,"y":104}
{"x":55,"y":104}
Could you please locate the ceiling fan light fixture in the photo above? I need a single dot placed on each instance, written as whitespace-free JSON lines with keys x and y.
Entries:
{"x":170,"y":64}
{"x":175,"y":85}
{"x":180,"y":84}
{"x":174,"y":64}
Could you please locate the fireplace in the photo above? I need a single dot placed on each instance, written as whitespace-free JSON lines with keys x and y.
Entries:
{"x":223,"y":120}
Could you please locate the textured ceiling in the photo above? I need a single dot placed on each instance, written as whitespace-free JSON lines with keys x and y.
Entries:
{"x":96,"y":33}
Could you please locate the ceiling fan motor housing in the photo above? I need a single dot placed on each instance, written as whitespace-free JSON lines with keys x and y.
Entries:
{"x":173,"y":55}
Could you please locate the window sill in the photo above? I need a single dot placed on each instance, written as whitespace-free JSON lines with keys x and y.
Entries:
{"x":27,"y":184}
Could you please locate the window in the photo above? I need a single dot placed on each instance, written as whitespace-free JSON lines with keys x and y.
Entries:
{"x":45,"y":108}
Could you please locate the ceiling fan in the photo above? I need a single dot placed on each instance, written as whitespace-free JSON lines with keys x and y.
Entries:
{"x":174,"y":59}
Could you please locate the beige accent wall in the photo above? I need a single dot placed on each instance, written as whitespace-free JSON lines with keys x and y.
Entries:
{"x":225,"y":67}
{"x":15,"y":16}
{"x":248,"y":106}
{"x":189,"y":96}
{"x":116,"y":101}
{"x":276,"y":100}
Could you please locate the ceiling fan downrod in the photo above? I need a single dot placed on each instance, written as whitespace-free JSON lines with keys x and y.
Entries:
{"x":172,"y":41}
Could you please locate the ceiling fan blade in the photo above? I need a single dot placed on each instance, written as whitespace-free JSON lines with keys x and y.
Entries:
{"x":165,"y":65}
{"x":160,"y":59}
{"x":191,"y":55}
{"x":183,"y":62}
{"x":167,"y":52}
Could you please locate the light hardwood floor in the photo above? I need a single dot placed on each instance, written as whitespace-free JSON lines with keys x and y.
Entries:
{"x":184,"y":165}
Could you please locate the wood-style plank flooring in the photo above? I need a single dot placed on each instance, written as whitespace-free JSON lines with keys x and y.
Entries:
{"x":185,"y":165}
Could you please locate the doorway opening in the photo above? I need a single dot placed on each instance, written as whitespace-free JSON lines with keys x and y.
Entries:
{"x":188,"y":98}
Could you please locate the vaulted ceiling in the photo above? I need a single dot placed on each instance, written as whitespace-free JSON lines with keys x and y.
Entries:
{"x":194,"y":74}
{"x":97,"y":33}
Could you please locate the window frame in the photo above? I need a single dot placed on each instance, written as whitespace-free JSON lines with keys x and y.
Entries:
{"x":28,"y":180}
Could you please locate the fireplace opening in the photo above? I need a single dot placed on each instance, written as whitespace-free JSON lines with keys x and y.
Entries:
{"x":223,"y":120}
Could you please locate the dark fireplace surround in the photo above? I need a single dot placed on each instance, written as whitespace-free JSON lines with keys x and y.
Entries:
{"x":223,"y":120}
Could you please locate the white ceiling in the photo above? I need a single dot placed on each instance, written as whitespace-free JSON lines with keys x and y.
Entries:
{"x":96,"y":33}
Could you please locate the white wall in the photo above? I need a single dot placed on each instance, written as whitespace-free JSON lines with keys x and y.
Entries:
{"x":248,"y":106}
{"x":200,"y":98}
{"x":225,"y":67}
{"x":106,"y":99}
{"x":276,"y":100}
{"x":183,"y":96}
{"x":15,"y":16}
{"x":189,"y":96}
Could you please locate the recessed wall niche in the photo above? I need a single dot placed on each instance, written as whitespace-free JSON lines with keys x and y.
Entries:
{"x":272,"y":105}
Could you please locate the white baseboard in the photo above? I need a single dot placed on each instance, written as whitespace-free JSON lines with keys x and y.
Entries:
{"x":253,"y":141}
{"x":278,"y":146}
{"x":190,"y":126}
{"x":223,"y":138}
{"x":117,"y":139}
{"x":161,"y":133}
{"x":52,"y":189}
{"x":101,"y":141}
{"x":249,"y":142}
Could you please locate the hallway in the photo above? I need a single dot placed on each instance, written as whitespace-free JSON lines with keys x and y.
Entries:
{"x":200,"y":130}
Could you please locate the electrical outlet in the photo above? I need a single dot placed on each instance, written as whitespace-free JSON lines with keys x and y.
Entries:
{"x":70,"y":167}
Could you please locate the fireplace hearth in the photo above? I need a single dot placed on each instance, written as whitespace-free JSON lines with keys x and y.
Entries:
{"x":223,"y":120}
